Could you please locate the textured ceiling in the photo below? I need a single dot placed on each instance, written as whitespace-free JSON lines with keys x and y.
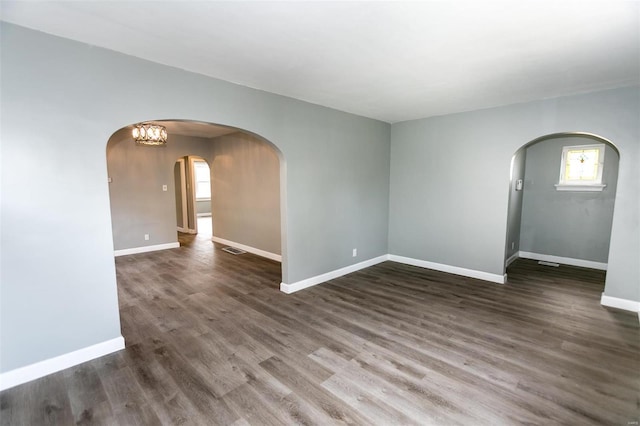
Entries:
{"x":392,"y":61}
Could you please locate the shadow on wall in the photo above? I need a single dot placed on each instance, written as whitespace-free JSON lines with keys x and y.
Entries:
{"x":245,"y":189}
{"x":566,"y":222}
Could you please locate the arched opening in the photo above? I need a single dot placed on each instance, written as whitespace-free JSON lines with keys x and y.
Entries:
{"x":192,"y":187}
{"x":562,"y":191}
{"x":247,"y":182}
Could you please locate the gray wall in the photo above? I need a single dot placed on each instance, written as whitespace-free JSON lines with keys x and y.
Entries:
{"x":514,"y":216}
{"x":448,"y":181}
{"x":566,"y":223}
{"x":449,"y":176}
{"x":138,"y":204}
{"x":246,"y":192}
{"x":58,"y":290}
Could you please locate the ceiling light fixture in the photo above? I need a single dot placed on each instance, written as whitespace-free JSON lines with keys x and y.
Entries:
{"x":149,"y":134}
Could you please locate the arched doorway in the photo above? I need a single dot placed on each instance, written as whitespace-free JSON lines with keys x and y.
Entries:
{"x":143,"y":189}
{"x":560,"y":210}
{"x":192,"y":184}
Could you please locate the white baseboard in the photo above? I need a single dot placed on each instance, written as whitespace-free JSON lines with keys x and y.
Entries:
{"x":309,"y":282}
{"x":511,"y":259}
{"x":256,"y":251}
{"x":52,"y":365}
{"x":146,"y":249}
{"x":472,"y":273}
{"x":624,"y":304}
{"x":564,"y":260}
{"x":187,"y":230}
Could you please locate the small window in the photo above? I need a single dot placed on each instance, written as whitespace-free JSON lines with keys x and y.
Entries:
{"x":203,"y":180}
{"x":581,"y":168}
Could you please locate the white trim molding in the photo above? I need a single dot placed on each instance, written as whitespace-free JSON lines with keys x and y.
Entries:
{"x":146,"y":249}
{"x":624,"y":304}
{"x":512,"y":259}
{"x":563,"y":260}
{"x":52,"y":365}
{"x":318,"y":279}
{"x":471,"y":273}
{"x":249,"y":249}
{"x":580,"y":188}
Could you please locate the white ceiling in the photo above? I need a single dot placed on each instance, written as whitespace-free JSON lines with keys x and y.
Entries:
{"x":393,"y":61}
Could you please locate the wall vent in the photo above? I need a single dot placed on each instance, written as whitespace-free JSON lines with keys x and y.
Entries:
{"x":233,"y":250}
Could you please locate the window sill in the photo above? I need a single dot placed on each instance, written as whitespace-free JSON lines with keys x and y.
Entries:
{"x":580,"y":188}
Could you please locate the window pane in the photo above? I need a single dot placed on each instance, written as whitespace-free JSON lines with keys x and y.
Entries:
{"x":203,"y":190}
{"x":582,"y":164}
{"x":202,"y":175}
{"x":202,"y":171}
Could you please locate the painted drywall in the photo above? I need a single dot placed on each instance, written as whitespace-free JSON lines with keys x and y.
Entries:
{"x":139,"y":205}
{"x":246,"y":192}
{"x":449,"y":175}
{"x":58,"y":290}
{"x":514,"y":216}
{"x":569,"y":224}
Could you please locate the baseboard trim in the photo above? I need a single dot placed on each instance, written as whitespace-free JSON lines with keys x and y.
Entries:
{"x":511,"y":259}
{"x":471,"y":273}
{"x":249,"y":249}
{"x":318,"y":279}
{"x":146,"y":249}
{"x":624,"y":304}
{"x":52,"y":365}
{"x":563,"y":260}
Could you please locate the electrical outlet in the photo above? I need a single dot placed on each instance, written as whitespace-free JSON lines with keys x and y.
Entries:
{"x":164,"y":187}
{"x":355,"y":252}
{"x":513,"y":244}
{"x":146,"y":237}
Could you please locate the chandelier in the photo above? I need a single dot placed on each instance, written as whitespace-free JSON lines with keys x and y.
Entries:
{"x":149,"y":134}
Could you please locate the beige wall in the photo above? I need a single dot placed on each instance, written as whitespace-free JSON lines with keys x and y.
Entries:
{"x":246,"y":192}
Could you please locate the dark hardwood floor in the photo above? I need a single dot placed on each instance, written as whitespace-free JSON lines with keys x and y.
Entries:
{"x":211,"y":340}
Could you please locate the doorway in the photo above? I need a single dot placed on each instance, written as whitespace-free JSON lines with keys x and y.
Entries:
{"x":158,"y":190}
{"x":561,"y":198}
{"x":192,"y":182}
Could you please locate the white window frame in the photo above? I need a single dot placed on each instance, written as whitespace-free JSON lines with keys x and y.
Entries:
{"x":196,"y":181}
{"x":582,"y":185}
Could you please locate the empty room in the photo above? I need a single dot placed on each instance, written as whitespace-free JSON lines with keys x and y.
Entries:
{"x":249,"y":213}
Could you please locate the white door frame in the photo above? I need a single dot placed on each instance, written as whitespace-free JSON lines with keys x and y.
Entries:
{"x":184,"y":185}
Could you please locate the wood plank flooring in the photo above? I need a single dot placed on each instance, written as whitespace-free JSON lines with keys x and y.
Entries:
{"x":211,"y":340}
